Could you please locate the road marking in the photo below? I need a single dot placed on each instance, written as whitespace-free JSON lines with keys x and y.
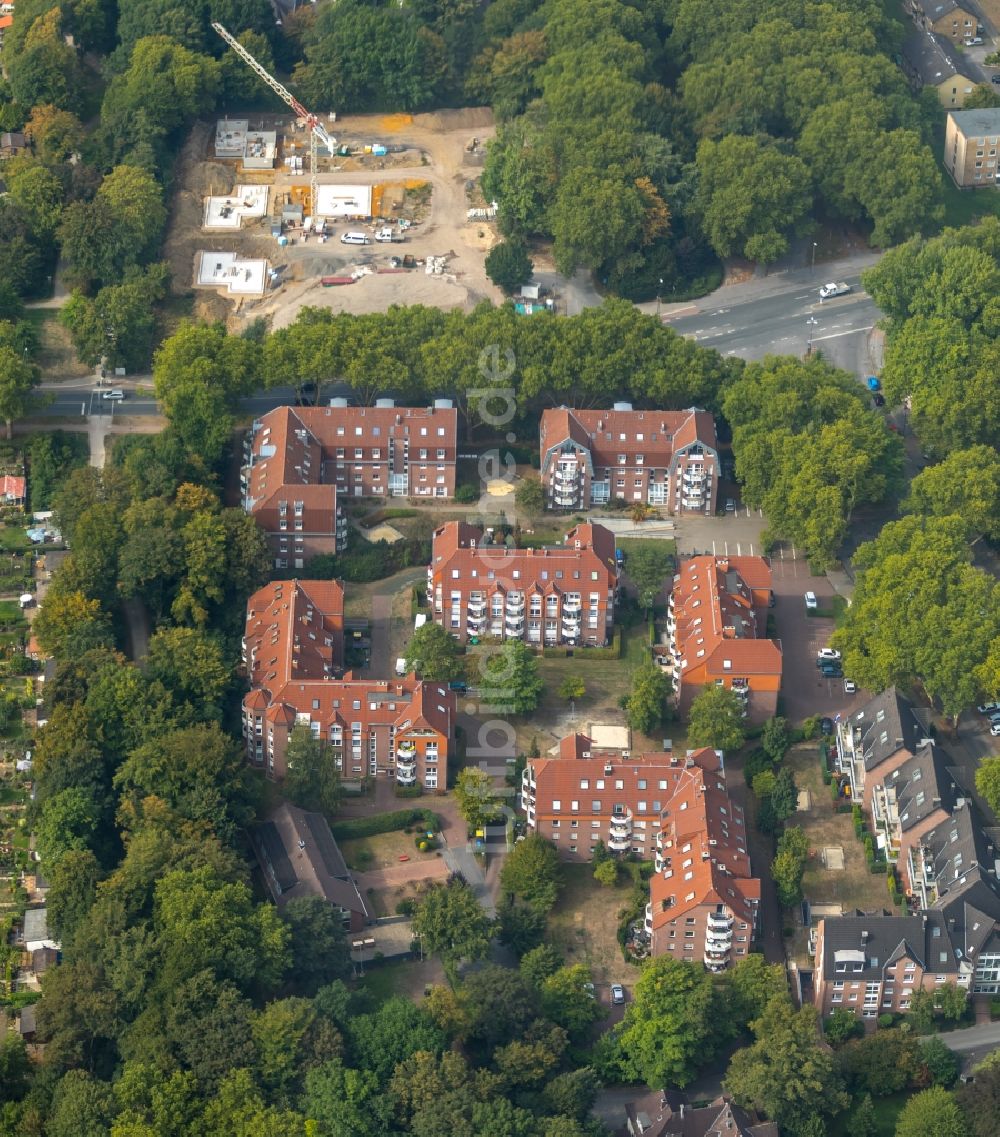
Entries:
{"x":849,"y":332}
{"x":804,"y":296}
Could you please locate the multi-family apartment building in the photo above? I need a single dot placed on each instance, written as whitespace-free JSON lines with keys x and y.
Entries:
{"x":664,"y":458}
{"x":561,"y":594}
{"x":971,"y":139}
{"x":294,"y":628}
{"x":670,"y":808}
{"x":400,"y":728}
{"x":302,"y":462}
{"x":956,"y":21}
{"x":945,"y":856}
{"x":930,"y":60}
{"x":717,"y":632}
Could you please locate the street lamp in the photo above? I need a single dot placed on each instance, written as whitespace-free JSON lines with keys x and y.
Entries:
{"x":813,"y":268}
{"x":659,"y":289}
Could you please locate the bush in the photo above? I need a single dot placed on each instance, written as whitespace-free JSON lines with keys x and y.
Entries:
{"x":508,"y":265}
{"x":408,"y":791}
{"x":466,"y":494}
{"x":378,"y":823}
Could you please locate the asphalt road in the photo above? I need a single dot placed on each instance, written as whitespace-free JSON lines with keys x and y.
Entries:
{"x":776,"y":315}
{"x":787,"y":323}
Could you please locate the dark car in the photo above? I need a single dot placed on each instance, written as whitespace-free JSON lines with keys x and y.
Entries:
{"x":832,"y":671}
{"x":826,"y":726}
{"x":879,"y":400}
{"x":995,"y":79}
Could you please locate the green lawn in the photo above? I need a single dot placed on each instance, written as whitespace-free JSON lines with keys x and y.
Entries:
{"x":887,"y":1111}
{"x":13,"y":539}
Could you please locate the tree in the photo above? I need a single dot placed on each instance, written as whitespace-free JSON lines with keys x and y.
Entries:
{"x":540,"y":964}
{"x":775,"y":738}
{"x":650,"y":565}
{"x":842,"y":1025}
{"x":716,"y":719}
{"x":320,"y":954}
{"x":646,"y":704}
{"x":18,"y":378}
{"x":981,"y":95}
{"x":508,"y":265}
{"x":72,"y":888}
{"x":789,"y":865}
{"x":392,"y":1034}
{"x":510,"y":678}
{"x":752,"y":984}
{"x":117,"y":325}
{"x":879,"y":1064}
{"x":39,"y":194}
{"x":190,"y":665}
{"x":433,"y":654}
{"x":312,"y":779}
{"x":476,"y":797}
{"x":69,"y":820}
{"x":931,"y":1113}
{"x":787,"y":1073}
{"x":529,"y":495}
{"x":500,"y":1005}
{"x":451,"y":923}
{"x":674,"y":1024}
{"x":82,"y":1106}
{"x":569,"y":1002}
{"x":942,"y":1063}
{"x":532,"y":872}
{"x":200,"y":773}
{"x":208,"y":923}
{"x":606,"y":873}
{"x":937,"y":490}
{"x":572,"y":688}
{"x":864,"y":1121}
{"x":55,"y":134}
{"x":750,"y":195}
{"x":980,"y":1099}
{"x":519,"y":927}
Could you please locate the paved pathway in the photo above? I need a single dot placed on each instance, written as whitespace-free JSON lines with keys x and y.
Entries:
{"x":985,"y":1037}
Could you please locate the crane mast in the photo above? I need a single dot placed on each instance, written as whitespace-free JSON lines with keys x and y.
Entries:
{"x":317,"y":132}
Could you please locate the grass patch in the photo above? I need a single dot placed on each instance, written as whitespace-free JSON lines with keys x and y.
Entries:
{"x":13,"y":539}
{"x":384,"y":980}
{"x":584,"y":923}
{"x":887,"y":1111}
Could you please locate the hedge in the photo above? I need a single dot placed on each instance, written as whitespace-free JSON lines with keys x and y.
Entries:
{"x":613,"y":651}
{"x":378,"y":823}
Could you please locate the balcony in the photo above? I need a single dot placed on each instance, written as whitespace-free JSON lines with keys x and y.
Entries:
{"x":720,"y":922}
{"x":571,"y":607}
{"x":566,"y":478}
{"x":476,"y":607}
{"x":405,"y":749}
{"x":565,"y":501}
{"x":515,"y":605}
{"x":514,"y":626}
{"x":619,"y":844}
{"x":714,"y":961}
{"x":406,"y":776}
{"x":648,"y":922}
{"x":621,"y":823}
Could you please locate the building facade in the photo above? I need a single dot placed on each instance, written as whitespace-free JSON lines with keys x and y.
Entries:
{"x":930,"y":60}
{"x":946,"y":18}
{"x":301,"y":462}
{"x":663,"y":458}
{"x":717,"y":633}
{"x":560,"y":594}
{"x":971,"y":139}
{"x":673,"y":809}
{"x":293,"y":646}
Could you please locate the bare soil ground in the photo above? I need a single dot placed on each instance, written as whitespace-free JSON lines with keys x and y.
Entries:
{"x":584,"y":924}
{"x":436,"y":154}
{"x":56,"y":355}
{"x":381,"y":851}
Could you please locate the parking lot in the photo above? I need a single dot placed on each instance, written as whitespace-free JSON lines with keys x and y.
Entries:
{"x":805,"y":691}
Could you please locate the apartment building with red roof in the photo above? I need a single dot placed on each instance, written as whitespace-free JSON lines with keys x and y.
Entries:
{"x":293,"y":650}
{"x":665,"y":458}
{"x":559,"y":594}
{"x":294,"y":628}
{"x":717,"y":632}
{"x":664,"y":807}
{"x":301,"y":462}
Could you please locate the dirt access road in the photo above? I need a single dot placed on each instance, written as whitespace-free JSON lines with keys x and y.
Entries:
{"x":441,"y":138}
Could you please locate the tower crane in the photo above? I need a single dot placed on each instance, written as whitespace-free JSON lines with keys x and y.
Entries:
{"x":317,"y":132}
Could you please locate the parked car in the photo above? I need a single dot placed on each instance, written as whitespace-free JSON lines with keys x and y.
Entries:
{"x":995,"y":729}
{"x":826,"y":726}
{"x":878,"y":400}
{"x":828,"y":653}
{"x":617,"y":993}
{"x":832,"y":670}
{"x":850,"y":686}
{"x":873,"y":383}
{"x":988,"y":708}
{"x":973,"y":41}
{"x":811,"y":601}
{"x":730,"y":505}
{"x":995,"y":79}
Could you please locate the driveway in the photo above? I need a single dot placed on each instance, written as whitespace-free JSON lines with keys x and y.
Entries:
{"x":804,"y":690}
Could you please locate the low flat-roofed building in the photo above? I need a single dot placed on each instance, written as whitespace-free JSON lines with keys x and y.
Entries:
{"x":971,"y":140}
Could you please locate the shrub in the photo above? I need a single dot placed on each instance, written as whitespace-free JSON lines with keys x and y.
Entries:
{"x":406,"y":907}
{"x":377,"y":823}
{"x":466,"y":494}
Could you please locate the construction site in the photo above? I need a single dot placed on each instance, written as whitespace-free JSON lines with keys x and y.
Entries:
{"x":277,"y":212}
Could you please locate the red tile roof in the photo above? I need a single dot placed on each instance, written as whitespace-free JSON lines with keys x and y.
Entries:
{"x":606,"y":434}
{"x":12,"y":487}
{"x":294,"y":628}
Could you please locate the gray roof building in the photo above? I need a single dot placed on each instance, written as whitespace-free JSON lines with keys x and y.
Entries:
{"x":299,"y":857}
{"x":923,"y":784}
{"x":671,"y":1116}
{"x":888,"y":724}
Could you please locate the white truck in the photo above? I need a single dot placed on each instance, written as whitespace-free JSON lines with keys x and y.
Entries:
{"x":833,"y":289}
{"x":387,"y":234}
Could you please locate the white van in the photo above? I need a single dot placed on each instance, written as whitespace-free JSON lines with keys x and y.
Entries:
{"x":385,"y":234}
{"x":401,"y":666}
{"x":355,"y":239}
{"x":117,"y":395}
